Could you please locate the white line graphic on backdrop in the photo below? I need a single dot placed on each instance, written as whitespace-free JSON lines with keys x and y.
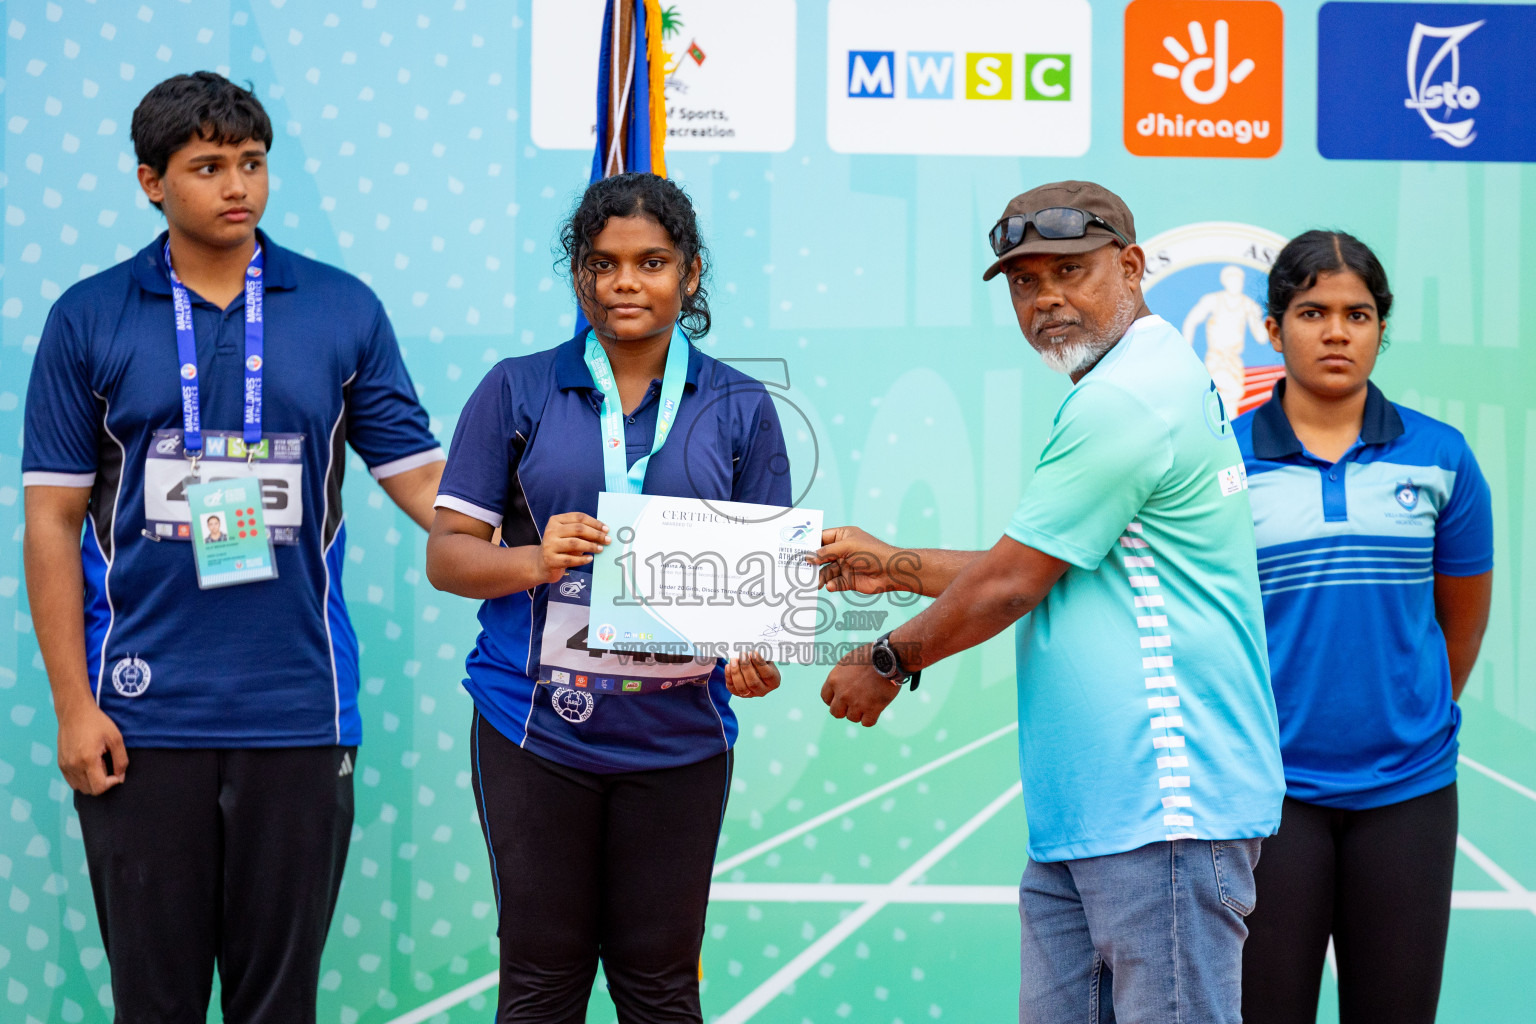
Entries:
{"x":1512,"y":896}
{"x":1498,"y":874}
{"x":1503,"y":780}
{"x":816,"y":951}
{"x":841,"y":809}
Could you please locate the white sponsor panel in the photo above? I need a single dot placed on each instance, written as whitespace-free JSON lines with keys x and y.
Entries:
{"x":969,"y":77}
{"x":730,"y":74}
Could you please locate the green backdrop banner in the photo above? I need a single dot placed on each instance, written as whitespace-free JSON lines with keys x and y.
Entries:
{"x":432,"y":149}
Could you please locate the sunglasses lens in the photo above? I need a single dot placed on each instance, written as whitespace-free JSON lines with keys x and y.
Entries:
{"x":1061,"y":222}
{"x":1008,"y":233}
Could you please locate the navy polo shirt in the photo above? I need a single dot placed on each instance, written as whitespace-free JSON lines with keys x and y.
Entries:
{"x":1348,"y":554}
{"x":269,"y":664}
{"x":529,"y":446}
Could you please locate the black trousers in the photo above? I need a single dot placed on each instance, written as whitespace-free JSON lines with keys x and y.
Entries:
{"x":227,"y":856}
{"x":1379,"y":882}
{"x":591,"y":866}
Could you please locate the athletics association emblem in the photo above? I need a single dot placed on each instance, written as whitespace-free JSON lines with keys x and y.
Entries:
{"x":572,"y":586}
{"x":188,"y":370}
{"x":1407,"y":495}
{"x":1210,"y":280}
{"x":606,"y":633}
{"x":574,"y":706}
{"x":130,"y":676}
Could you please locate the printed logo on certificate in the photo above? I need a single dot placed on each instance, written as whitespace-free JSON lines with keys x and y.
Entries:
{"x":687,"y":577}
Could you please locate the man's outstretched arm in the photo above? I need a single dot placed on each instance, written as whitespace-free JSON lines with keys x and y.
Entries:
{"x":994,"y":590}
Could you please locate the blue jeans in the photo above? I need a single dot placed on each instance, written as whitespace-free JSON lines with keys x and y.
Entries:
{"x":1149,"y":936}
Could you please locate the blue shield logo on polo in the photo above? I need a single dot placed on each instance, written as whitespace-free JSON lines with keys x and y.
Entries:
{"x":1407,"y":495}
{"x":1425,"y":81}
{"x":130,"y":676}
{"x":574,"y":706}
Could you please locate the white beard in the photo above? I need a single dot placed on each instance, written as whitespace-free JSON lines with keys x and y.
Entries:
{"x":1080,"y":355}
{"x":1068,"y":359}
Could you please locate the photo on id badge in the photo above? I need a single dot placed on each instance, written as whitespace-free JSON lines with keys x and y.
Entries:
{"x":231,"y":543}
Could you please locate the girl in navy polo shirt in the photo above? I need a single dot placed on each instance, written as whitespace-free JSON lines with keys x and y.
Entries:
{"x":1375,"y":547}
{"x":600,"y":783}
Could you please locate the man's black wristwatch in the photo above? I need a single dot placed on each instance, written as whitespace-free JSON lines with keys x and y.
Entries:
{"x":888,"y":663}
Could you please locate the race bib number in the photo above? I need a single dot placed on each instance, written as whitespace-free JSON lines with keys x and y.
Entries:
{"x":276,"y":466}
{"x":580,"y":673}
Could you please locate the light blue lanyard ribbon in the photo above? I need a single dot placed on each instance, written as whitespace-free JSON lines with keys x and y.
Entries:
{"x":186,"y":354}
{"x":631,"y":480}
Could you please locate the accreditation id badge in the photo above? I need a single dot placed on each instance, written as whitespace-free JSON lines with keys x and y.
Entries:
{"x":579,"y":674}
{"x":230,"y":542}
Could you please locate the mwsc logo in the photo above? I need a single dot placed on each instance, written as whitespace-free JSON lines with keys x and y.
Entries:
{"x":932,"y":75}
{"x":900,"y":82}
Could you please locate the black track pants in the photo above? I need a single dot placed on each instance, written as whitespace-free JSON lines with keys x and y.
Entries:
{"x":232,"y":856}
{"x":591,"y":866}
{"x":1379,"y":882}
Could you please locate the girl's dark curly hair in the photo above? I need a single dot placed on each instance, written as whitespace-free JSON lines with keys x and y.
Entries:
{"x":639,"y":195}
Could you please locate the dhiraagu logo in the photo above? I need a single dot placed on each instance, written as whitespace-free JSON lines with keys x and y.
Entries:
{"x":901,"y":82}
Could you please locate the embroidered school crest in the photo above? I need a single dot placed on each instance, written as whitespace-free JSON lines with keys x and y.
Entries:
{"x":572,"y":705}
{"x":1407,"y":495}
{"x":130,"y":676}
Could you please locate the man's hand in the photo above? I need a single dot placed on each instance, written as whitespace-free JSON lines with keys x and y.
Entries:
{"x":751,"y":675}
{"x":851,"y":559}
{"x":85,"y":735}
{"x":857,"y":692}
{"x":570,"y":539}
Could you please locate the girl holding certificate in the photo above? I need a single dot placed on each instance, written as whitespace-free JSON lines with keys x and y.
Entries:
{"x":1375,"y":546}
{"x":600,"y":781}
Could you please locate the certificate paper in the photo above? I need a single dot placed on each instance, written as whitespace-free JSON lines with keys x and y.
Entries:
{"x":684,"y":576}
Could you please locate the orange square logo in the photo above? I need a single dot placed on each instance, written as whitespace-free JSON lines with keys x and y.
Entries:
{"x":1204,"y":77}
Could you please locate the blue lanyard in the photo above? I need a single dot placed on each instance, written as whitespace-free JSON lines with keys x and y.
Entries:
{"x":620,"y":480}
{"x":186,"y":355}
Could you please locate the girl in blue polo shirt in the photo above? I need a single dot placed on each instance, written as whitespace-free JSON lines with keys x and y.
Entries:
{"x":600,"y":783}
{"x":1375,"y":547}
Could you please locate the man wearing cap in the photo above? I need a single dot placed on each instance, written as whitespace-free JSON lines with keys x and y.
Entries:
{"x":1147,"y":731}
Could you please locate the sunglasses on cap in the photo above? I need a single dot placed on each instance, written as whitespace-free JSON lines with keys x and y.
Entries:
{"x":1053,"y":222}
